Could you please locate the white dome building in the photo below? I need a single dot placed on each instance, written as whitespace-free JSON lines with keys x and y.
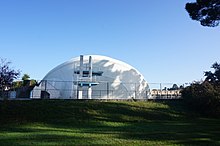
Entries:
{"x":93,"y":77}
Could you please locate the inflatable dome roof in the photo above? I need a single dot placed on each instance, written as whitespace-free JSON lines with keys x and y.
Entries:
{"x":95,"y":77}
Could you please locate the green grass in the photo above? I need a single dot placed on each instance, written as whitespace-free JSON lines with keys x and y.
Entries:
{"x":70,"y":122}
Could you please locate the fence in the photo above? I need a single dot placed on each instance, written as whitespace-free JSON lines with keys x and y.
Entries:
{"x":103,"y":90}
{"x":108,"y":90}
{"x":93,"y":90}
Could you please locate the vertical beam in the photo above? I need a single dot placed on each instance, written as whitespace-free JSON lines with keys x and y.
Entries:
{"x":45,"y":85}
{"x":90,"y":78}
{"x":135,"y":92}
{"x":160,"y":90}
{"x":81,"y":66}
{"x":89,"y":92}
{"x":90,"y":68}
{"x":79,"y":92}
{"x":107,"y":90}
{"x":80,"y":77}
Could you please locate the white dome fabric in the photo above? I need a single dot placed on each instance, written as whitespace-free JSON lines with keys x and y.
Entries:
{"x":112,"y":79}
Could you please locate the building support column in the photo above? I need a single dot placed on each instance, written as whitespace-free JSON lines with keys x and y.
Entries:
{"x":79,"y":92}
{"x":90,"y":92}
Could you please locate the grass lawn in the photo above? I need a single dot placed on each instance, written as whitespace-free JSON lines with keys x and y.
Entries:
{"x":71,"y":122}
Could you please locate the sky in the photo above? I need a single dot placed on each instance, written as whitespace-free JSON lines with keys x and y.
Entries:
{"x":158,"y":38}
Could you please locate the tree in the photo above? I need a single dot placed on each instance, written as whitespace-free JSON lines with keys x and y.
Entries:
{"x":27,"y":81}
{"x":205,"y":11}
{"x":25,"y":77}
{"x":205,"y":94}
{"x":175,"y":87}
{"x":215,"y":76}
{"x":7,"y":75}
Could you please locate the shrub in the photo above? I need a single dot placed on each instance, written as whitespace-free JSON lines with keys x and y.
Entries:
{"x":203,"y":97}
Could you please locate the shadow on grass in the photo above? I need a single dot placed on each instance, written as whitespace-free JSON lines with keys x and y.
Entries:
{"x":40,"y":138}
{"x":93,"y":123}
{"x":74,"y":111}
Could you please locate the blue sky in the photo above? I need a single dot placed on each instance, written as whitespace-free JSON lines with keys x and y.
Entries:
{"x":156,"y":37}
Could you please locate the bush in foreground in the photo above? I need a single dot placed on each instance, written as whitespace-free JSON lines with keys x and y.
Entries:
{"x":205,"y":96}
